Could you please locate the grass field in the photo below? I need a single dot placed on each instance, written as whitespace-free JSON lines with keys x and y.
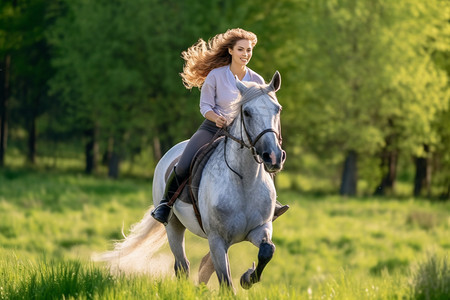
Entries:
{"x":328,"y":247}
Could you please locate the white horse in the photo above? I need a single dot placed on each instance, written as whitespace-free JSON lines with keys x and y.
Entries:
{"x":236,"y":196}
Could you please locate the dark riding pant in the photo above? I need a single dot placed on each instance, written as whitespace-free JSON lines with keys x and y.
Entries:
{"x":202,"y":136}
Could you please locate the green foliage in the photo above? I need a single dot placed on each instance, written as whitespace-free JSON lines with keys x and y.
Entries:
{"x":122,"y":60}
{"x":22,"y":38}
{"x":366,"y":76}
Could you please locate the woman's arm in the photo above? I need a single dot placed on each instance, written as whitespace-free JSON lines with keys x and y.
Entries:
{"x":213,"y":117}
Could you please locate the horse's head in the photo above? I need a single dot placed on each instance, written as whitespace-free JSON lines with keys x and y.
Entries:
{"x":260,"y":119}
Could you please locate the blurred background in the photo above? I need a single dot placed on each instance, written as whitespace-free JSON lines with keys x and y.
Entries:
{"x":91,"y":98}
{"x":94,"y":86}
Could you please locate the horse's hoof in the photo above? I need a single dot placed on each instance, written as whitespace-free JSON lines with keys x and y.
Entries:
{"x":246,"y":281}
{"x":246,"y":278}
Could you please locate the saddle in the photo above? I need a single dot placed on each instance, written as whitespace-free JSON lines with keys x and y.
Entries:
{"x":190,"y":194}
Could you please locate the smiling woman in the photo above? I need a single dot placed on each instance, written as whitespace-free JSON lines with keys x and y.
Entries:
{"x":212,"y":67}
{"x":240,"y":54}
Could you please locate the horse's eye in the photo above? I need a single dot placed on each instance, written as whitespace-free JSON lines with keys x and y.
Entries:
{"x":247,"y":114}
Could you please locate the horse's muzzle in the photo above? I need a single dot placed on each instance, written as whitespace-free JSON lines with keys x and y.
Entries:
{"x":273,"y":162}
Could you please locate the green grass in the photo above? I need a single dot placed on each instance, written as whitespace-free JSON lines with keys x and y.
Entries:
{"x":328,"y":247}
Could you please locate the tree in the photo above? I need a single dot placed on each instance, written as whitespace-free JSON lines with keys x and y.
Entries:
{"x":441,"y":156}
{"x":118,"y":64}
{"x":27,"y":69}
{"x":4,"y":97}
{"x":7,"y":41}
{"x":367,"y":82}
{"x":422,"y":93}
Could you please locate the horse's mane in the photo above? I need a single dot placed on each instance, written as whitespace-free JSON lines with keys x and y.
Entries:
{"x":253,"y":91}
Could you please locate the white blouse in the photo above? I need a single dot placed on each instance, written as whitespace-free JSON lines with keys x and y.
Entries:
{"x":219,"y":89}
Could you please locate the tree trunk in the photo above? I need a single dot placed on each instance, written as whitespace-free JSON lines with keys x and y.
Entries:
{"x":113,"y":159}
{"x":4,"y":96}
{"x":91,"y":150}
{"x":113,"y":166}
{"x":445,"y":195}
{"x":350,"y":174}
{"x":32,"y":122}
{"x":32,"y":133}
{"x":389,"y":167}
{"x":423,"y":174}
{"x":156,"y":149}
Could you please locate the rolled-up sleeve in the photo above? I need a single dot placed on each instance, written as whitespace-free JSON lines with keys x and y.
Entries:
{"x":207,"y":95}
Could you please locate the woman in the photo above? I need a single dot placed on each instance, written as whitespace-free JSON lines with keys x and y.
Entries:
{"x":212,"y":67}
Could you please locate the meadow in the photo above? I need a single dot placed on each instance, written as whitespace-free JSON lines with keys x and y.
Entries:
{"x":328,"y":247}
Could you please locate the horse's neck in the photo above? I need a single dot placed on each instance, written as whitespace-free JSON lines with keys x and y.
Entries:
{"x":240,"y":158}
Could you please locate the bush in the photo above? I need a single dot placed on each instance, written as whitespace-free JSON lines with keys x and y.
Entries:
{"x":431,"y":280}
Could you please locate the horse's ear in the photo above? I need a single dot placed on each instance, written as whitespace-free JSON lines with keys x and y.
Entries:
{"x":240,"y":86}
{"x":275,"y":84}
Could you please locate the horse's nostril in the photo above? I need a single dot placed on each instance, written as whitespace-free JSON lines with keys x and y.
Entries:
{"x":283,"y":156}
{"x":266,"y":157}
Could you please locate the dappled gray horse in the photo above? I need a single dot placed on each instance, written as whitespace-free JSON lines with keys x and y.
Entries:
{"x":236,"y":196}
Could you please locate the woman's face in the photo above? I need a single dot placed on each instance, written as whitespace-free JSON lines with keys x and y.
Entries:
{"x":241,"y":52}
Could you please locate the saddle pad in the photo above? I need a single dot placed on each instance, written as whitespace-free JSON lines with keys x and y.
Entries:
{"x":195,"y":174}
{"x":197,"y":166}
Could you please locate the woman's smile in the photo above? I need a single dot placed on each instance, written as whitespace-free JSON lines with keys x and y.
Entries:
{"x":242,"y":52}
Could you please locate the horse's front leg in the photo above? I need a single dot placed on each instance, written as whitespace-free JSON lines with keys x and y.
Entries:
{"x":175,"y":234}
{"x":261,"y":237}
{"x":219,"y":256}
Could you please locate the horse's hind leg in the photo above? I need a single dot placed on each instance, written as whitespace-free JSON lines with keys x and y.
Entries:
{"x":260,"y":237}
{"x":206,"y":269}
{"x":175,"y":234}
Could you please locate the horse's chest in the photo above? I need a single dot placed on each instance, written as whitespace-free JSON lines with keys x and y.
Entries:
{"x":231,"y":206}
{"x":241,"y":207}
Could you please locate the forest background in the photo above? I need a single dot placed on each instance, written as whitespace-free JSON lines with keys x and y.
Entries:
{"x":365,"y":86}
{"x":91,"y":97}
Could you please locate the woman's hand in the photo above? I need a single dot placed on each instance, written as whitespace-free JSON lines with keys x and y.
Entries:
{"x":221,"y":122}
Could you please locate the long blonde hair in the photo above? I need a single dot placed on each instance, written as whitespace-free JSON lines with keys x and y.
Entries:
{"x":203,"y":57}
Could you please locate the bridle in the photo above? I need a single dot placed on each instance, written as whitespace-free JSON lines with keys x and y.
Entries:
{"x":251,"y":143}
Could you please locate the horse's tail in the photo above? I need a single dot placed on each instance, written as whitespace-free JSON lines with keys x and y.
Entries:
{"x":137,"y":252}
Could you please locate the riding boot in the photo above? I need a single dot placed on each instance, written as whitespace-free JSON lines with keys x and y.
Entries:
{"x":162,"y":212}
{"x":279,"y":210}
